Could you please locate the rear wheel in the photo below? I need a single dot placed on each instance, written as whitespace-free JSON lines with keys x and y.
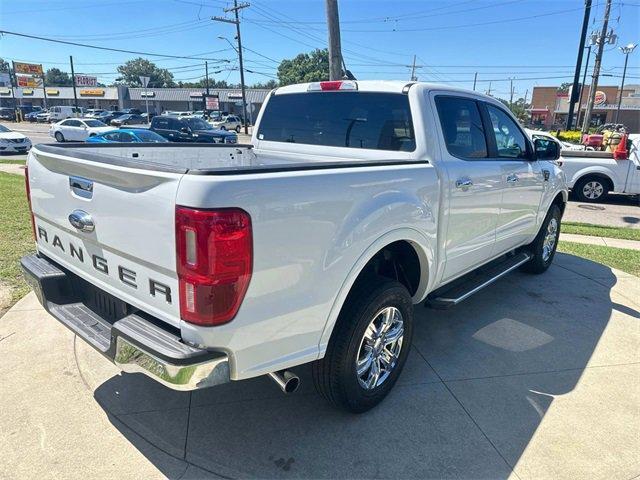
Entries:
{"x":59,"y":137}
{"x":222,"y":127}
{"x":368,"y":347}
{"x":591,"y":189}
{"x":238,"y":129}
{"x":544,"y":246}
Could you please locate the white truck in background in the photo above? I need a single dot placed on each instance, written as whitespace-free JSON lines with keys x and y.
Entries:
{"x":591,"y":175}
{"x":197,"y":264}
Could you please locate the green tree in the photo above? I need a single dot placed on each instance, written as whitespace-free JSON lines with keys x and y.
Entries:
{"x":132,"y":70}
{"x":518,"y":108}
{"x":54,"y":77}
{"x":306,"y":67}
{"x":564,"y":87}
{"x":270,"y":85}
{"x":4,"y":65}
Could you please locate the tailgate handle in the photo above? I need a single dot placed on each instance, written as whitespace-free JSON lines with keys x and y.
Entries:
{"x":81,"y":186}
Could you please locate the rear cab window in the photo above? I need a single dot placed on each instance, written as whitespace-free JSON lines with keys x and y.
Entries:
{"x":363,"y":120}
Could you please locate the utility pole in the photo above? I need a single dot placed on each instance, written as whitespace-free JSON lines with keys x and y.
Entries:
{"x":596,"y":68}
{"x":413,"y":70}
{"x":206,"y":76}
{"x":576,"y":75}
{"x":237,"y":7}
{"x":510,"y":93}
{"x":584,"y":79}
{"x":335,"y":52}
{"x":475,"y":79}
{"x":489,"y":90}
{"x":73,"y":82}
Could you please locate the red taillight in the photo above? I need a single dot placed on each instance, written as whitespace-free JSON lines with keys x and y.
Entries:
{"x":26,"y":184}
{"x":332,"y":86}
{"x":215,"y":259}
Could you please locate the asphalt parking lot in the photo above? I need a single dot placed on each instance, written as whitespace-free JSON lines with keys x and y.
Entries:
{"x":534,"y":377}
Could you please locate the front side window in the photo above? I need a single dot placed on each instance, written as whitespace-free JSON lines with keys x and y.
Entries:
{"x":510,"y":141}
{"x":371,"y":120}
{"x":161,"y":123}
{"x":462,"y":127}
{"x":113,"y":136}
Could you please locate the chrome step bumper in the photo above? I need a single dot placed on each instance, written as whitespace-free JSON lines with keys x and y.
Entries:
{"x":134,"y":341}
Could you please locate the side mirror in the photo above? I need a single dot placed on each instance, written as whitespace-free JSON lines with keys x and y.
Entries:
{"x":546,"y":149}
{"x":185,"y":130}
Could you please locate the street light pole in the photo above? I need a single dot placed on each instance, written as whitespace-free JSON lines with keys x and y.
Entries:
{"x":582,"y":88}
{"x":626,"y":50}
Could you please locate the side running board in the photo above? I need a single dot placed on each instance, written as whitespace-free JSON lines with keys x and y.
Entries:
{"x":473,"y":282}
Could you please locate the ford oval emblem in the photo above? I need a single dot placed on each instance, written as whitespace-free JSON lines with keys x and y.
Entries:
{"x":82,"y":221}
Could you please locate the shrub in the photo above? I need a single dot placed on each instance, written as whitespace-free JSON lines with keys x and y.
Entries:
{"x":571,"y":136}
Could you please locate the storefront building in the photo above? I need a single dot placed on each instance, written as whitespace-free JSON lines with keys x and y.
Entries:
{"x":550,"y":108}
{"x":158,"y":100}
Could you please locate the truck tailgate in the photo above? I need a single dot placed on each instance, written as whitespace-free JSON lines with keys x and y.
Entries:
{"x":130,"y":252}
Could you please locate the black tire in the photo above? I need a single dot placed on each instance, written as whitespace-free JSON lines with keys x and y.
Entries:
{"x":335,"y":376}
{"x":59,"y":137}
{"x":222,"y":127}
{"x":238,"y":129}
{"x":591,"y":189}
{"x":542,"y":260}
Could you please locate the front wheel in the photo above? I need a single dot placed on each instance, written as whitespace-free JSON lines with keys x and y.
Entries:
{"x":368,"y":348}
{"x":238,"y":129}
{"x":59,"y":137}
{"x":544,"y":246}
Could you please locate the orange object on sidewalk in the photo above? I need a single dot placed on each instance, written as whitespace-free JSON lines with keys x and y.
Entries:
{"x":621,"y":153}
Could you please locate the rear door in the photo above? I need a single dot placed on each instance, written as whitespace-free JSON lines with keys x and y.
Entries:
{"x":71,"y":129}
{"x":472,"y":185}
{"x":521,"y":177}
{"x":130,"y":253}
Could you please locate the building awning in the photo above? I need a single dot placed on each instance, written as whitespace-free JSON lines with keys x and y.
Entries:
{"x":539,"y":110}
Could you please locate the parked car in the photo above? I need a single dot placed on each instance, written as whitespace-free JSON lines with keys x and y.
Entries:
{"x":592,"y":175}
{"x":190,"y":129}
{"x":93,"y":112}
{"x":129,"y":119}
{"x":230,"y":122}
{"x":7,"y":113}
{"x":32,"y":116}
{"x":132,"y":111}
{"x":128,"y":135}
{"x":77,"y":129}
{"x":171,"y":113}
{"x":13,"y":142}
{"x":204,"y":264}
{"x":108,"y":115}
{"x":60,"y":112}
{"x":43,"y":117}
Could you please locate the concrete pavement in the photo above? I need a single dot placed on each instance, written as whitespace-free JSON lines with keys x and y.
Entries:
{"x":535,"y":377}
{"x":601,"y":241}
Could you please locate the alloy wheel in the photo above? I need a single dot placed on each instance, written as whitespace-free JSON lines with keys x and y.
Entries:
{"x":380,"y":348}
{"x":593,"y":190}
{"x":550,"y":239}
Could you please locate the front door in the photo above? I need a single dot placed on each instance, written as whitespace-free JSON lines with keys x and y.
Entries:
{"x":472,"y":184}
{"x":522,"y":177}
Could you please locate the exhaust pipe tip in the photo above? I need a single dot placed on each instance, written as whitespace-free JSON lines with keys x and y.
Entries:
{"x":286,"y":380}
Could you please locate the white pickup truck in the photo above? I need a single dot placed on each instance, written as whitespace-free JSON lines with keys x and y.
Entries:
{"x":592,"y":175}
{"x":201,"y":264}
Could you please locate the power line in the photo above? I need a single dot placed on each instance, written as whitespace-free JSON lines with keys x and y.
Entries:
{"x":96,"y":47}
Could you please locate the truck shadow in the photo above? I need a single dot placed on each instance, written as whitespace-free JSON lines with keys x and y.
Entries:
{"x":478,"y":383}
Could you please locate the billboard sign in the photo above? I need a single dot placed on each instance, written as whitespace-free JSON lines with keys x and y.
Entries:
{"x":27,"y":68}
{"x":27,"y":81}
{"x":211,"y":102}
{"x":86,"y":81}
{"x":96,"y":92}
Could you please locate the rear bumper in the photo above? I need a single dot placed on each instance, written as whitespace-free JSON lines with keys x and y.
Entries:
{"x":134,"y":341}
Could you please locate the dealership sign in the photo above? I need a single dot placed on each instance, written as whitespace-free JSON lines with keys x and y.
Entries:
{"x":30,"y":82}
{"x":52,"y":92}
{"x":27,"y":68}
{"x":195,"y":94}
{"x":600,"y":98}
{"x":86,"y":81}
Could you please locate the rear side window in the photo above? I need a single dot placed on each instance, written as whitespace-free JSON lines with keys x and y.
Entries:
{"x":161,"y":123}
{"x":379,"y":121}
{"x":462,"y":127}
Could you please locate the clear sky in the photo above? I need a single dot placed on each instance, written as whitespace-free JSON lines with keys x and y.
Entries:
{"x":533,"y":41}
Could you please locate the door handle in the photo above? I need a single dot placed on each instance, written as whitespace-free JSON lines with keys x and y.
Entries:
{"x":513,"y":178}
{"x":464,"y":183}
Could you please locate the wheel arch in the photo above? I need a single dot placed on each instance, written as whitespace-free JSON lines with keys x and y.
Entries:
{"x":600,"y":174}
{"x":409,"y":244}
